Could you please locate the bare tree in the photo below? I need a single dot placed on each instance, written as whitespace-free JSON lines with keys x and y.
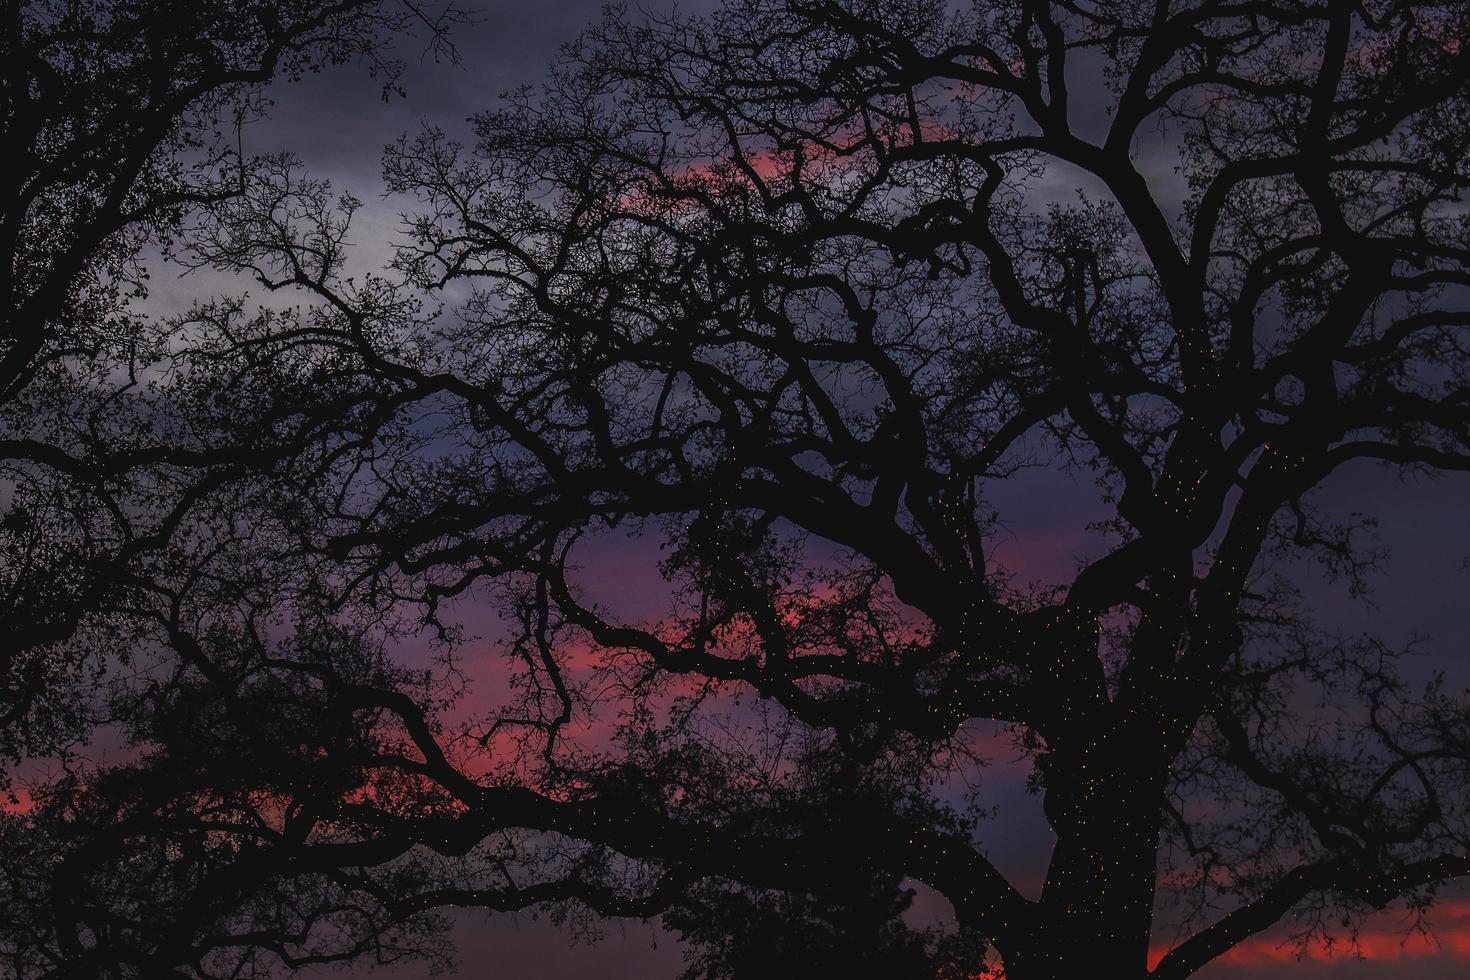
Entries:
{"x":785,"y":290}
{"x":123,"y":550}
{"x":123,"y":120}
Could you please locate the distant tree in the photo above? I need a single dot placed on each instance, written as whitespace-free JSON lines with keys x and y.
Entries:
{"x":790,"y":291}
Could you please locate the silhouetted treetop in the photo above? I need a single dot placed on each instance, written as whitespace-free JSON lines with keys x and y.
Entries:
{"x":803,"y":280}
{"x":123,"y":120}
{"x":797,"y":291}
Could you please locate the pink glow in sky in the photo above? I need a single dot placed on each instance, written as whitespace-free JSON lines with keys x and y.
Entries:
{"x":1046,"y":534}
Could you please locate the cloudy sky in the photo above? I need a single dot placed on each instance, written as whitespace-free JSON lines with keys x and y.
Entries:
{"x":338,"y":126}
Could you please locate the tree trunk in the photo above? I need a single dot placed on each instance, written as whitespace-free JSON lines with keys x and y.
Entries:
{"x":1096,"y":908}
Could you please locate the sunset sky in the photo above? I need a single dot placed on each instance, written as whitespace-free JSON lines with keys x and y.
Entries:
{"x":337,"y":125}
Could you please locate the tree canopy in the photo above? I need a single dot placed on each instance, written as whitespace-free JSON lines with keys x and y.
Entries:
{"x":121,"y":522}
{"x":791,"y":291}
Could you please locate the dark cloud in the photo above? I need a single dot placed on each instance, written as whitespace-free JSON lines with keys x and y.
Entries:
{"x":338,"y":122}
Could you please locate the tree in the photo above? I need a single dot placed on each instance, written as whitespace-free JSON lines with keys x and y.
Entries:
{"x":116,"y":546}
{"x":124,"y":120}
{"x":782,"y":288}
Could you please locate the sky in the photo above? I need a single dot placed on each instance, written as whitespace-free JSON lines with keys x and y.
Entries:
{"x":337,"y":124}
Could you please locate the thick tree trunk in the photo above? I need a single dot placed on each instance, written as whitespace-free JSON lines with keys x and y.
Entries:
{"x":1085,"y":939}
{"x":1096,"y":910}
{"x":1086,"y":962}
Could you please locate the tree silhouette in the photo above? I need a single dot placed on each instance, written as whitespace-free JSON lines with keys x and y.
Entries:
{"x":116,"y":545}
{"x":790,"y":290}
{"x":123,"y":119}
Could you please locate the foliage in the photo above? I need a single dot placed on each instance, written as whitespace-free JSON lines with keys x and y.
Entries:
{"x":790,"y":290}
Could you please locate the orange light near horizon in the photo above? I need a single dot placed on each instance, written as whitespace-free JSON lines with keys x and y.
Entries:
{"x":1385,"y":937}
{"x":17,"y":802}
